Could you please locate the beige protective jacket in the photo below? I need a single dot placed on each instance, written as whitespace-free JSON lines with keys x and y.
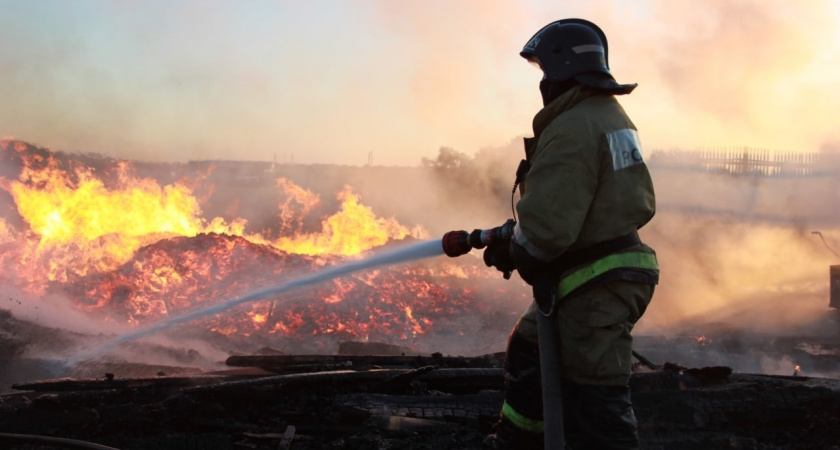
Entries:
{"x":588,"y":182}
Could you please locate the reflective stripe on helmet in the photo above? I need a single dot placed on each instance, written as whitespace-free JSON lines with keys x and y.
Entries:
{"x":630,"y":260}
{"x":534,"y":426}
{"x":588,"y":48}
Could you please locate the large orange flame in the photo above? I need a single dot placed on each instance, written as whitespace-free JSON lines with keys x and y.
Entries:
{"x":80,"y":225}
{"x":352,"y":230}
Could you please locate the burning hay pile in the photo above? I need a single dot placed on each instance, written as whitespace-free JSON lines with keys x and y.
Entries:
{"x":126,"y":252}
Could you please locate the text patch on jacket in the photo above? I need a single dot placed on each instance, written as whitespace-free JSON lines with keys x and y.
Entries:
{"x":625,"y":148}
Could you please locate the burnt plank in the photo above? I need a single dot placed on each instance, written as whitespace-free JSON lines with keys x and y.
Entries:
{"x":287,"y":363}
{"x":89,"y":384}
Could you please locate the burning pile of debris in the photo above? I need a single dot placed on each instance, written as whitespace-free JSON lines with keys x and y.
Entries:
{"x":127,"y":252}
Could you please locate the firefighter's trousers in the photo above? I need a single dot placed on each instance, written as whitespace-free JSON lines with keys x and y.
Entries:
{"x":594,"y":327}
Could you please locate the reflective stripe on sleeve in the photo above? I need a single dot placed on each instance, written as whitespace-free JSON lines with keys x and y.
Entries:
{"x":632,"y":260}
{"x":534,"y":426}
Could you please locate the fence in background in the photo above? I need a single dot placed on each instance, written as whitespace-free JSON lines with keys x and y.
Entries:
{"x":748,"y":161}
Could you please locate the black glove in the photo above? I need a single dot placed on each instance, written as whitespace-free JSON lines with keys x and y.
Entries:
{"x":497,"y":255}
{"x":530,"y":269}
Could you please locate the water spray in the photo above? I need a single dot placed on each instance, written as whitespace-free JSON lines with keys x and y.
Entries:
{"x":411,"y":252}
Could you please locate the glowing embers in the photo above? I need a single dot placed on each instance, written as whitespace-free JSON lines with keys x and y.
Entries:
{"x":702,"y":340}
{"x":177,"y":275}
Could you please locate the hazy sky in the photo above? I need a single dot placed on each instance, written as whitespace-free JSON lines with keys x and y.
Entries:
{"x":329,"y":81}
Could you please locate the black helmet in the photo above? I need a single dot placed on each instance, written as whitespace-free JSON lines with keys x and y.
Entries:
{"x":574,"y":49}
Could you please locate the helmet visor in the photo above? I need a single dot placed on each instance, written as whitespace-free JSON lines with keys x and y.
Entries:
{"x":532,"y":58}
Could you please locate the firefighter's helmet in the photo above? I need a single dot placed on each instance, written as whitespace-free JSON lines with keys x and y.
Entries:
{"x":574,"y":49}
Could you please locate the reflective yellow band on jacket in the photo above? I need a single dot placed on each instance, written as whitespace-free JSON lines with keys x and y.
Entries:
{"x":630,"y":260}
{"x":534,"y":426}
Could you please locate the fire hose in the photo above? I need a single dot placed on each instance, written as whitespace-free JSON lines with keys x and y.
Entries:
{"x":457,"y":243}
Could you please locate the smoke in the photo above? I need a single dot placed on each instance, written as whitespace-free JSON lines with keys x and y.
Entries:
{"x":463,"y":68}
{"x":728,"y":56}
{"x":53,"y":311}
{"x":335,"y":82}
{"x":743,"y":72}
{"x":740,"y":251}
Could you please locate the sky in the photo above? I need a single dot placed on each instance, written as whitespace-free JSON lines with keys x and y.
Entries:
{"x":343,"y":81}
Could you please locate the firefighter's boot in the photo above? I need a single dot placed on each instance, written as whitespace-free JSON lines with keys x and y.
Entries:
{"x":510,"y":437}
{"x":598,"y":417}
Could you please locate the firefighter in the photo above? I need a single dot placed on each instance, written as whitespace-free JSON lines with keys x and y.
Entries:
{"x":585,"y":194}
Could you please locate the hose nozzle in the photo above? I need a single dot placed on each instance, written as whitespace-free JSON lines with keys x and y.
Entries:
{"x":457,"y":243}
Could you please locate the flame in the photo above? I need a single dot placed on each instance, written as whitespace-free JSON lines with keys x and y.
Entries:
{"x":352,"y":230}
{"x":702,"y":340}
{"x":80,"y":225}
{"x":298,"y":203}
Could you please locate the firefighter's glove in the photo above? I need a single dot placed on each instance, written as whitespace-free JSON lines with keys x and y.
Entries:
{"x":530,"y":269}
{"x":497,"y":254}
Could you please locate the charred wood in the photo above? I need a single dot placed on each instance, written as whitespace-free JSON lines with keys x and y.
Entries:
{"x":447,"y":380}
{"x":453,"y":408}
{"x":72,"y":384}
{"x":295,"y":380}
{"x":464,"y":381}
{"x":289,"y":363}
{"x":402,"y":381}
{"x":286,"y":440}
{"x":371,"y":348}
{"x":647,"y":363}
{"x":441,"y":408}
{"x":409,"y":424}
{"x":51,"y":441}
